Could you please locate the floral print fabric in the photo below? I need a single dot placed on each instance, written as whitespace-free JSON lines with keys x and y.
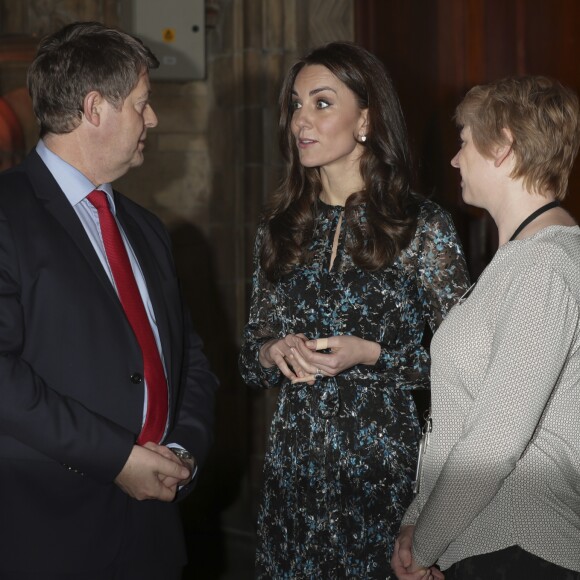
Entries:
{"x":342,"y":452}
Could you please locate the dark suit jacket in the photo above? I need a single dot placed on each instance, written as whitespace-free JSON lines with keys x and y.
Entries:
{"x":68,"y":396}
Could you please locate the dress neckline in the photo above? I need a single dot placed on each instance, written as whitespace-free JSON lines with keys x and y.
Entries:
{"x":330,"y":206}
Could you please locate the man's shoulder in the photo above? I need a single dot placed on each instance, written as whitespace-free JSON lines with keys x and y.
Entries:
{"x":15,"y":186}
{"x":134,"y":216}
{"x":125,"y":204}
{"x":15,"y":175}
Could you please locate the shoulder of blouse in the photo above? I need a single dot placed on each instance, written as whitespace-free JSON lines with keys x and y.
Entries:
{"x":555,"y":248}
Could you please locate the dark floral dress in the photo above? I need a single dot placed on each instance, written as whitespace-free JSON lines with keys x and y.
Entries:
{"x":342,"y":452}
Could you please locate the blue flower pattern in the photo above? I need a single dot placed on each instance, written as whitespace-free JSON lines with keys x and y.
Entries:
{"x":342,"y":452}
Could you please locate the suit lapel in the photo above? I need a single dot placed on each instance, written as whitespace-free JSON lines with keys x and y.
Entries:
{"x":56,"y":203}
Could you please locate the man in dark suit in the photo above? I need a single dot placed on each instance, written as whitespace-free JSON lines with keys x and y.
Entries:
{"x":106,"y":399}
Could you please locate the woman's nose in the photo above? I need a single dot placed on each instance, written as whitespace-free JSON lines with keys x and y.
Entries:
{"x":301,"y":118}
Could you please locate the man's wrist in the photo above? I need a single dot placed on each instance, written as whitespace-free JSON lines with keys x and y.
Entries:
{"x":186,"y":458}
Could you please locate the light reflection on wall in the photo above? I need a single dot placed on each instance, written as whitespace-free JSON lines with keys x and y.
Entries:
{"x":18,"y":127}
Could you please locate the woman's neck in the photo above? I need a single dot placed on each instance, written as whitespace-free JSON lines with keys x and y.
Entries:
{"x":335,"y":191}
{"x":332,"y":199}
{"x":515,"y":211}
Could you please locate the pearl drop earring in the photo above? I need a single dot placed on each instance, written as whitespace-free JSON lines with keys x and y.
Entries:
{"x":363,"y":138}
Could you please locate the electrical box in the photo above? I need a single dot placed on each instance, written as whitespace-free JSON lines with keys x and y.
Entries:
{"x":174,"y":30}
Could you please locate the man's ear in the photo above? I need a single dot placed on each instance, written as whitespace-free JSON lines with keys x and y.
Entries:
{"x":503,"y":151}
{"x":92,"y":104}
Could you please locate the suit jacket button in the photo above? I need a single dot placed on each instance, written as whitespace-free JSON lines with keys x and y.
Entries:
{"x":136,"y":378}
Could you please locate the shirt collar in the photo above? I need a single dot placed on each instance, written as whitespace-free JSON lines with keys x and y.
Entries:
{"x":73,"y":183}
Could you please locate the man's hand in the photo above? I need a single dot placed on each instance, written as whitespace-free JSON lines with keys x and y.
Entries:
{"x":166,"y":452}
{"x":151,"y":475}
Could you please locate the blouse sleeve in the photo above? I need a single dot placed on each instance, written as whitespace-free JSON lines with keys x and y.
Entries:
{"x":263,"y":325}
{"x":435,"y":259}
{"x":534,"y":323}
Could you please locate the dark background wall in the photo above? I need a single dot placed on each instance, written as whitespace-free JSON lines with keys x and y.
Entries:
{"x":436,"y":50}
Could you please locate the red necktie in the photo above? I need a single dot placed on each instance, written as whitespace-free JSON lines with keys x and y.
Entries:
{"x":156,"y":416}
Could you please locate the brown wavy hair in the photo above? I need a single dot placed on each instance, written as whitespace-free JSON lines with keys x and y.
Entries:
{"x":385,"y":166}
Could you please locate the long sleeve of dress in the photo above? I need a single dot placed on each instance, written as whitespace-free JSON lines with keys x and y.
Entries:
{"x":264,"y":323}
{"x":436,"y":262}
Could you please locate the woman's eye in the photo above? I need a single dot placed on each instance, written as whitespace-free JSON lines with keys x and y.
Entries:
{"x":322,"y":104}
{"x":295,"y":105}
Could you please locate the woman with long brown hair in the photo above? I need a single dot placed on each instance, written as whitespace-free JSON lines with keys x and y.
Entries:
{"x":350,"y":265}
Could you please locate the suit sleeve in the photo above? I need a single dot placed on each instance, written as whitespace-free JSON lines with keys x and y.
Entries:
{"x":194,"y":421}
{"x":33,"y":413}
{"x":195,"y":384}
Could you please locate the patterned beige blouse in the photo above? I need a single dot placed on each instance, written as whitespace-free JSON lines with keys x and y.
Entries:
{"x":503,"y":462}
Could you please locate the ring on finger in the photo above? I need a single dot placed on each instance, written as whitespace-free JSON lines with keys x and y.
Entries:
{"x":318,"y":374}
